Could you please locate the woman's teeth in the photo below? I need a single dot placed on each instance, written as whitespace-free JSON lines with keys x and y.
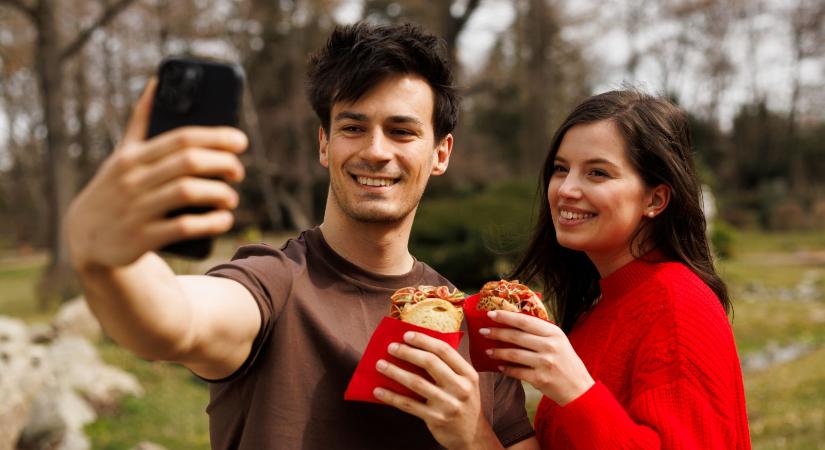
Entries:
{"x":569,"y":215}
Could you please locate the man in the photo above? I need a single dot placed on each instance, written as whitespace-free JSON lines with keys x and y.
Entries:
{"x":278,"y":332}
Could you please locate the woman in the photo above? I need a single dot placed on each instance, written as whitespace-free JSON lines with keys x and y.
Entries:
{"x":643,"y":355}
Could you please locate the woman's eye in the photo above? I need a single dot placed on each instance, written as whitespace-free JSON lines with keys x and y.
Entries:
{"x":599,"y":173}
{"x":557,"y":168}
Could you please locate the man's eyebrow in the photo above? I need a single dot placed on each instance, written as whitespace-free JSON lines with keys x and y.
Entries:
{"x":351,"y":115}
{"x":406,"y":119}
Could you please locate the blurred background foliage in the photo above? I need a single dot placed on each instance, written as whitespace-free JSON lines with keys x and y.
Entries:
{"x":750,"y":73}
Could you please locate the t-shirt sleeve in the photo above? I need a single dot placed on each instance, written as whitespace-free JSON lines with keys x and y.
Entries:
{"x":267,"y":274}
{"x":510,"y":421}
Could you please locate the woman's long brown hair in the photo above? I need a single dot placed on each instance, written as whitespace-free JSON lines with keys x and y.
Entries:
{"x":657,"y":141}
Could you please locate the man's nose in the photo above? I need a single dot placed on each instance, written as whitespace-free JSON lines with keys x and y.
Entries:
{"x":378,"y":147}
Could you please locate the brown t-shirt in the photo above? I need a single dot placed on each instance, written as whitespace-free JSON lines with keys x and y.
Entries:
{"x":318,"y":312}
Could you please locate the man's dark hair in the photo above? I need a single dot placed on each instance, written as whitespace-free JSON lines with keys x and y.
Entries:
{"x":358,"y":57}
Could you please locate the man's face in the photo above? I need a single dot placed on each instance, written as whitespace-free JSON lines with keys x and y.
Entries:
{"x":381,"y":150}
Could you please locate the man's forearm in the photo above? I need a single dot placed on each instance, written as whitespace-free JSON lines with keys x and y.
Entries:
{"x":142,"y":306}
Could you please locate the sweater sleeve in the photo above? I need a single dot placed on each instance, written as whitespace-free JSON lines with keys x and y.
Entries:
{"x":672,"y":416}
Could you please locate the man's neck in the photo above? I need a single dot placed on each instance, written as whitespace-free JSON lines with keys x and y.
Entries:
{"x":376,"y":247}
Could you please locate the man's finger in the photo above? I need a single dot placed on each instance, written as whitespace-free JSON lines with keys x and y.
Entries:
{"x":441,"y":349}
{"x":216,"y":138}
{"x":139,"y":122}
{"x":414,"y":382}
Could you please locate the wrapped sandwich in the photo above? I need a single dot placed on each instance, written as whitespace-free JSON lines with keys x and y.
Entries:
{"x":432,"y":310}
{"x":510,"y":296}
{"x":433,"y":307}
{"x":502,"y":295}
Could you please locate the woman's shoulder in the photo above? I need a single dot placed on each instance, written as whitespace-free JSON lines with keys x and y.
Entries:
{"x":680,"y":298}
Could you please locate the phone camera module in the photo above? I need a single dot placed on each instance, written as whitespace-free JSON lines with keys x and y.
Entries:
{"x":178,"y":87}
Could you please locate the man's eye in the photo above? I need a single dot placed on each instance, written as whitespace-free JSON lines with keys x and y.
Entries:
{"x":402,"y":132}
{"x":351,"y":129}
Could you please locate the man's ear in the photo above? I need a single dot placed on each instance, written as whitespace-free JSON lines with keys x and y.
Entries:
{"x":323,"y":144}
{"x":441,"y":158}
{"x":657,"y":200}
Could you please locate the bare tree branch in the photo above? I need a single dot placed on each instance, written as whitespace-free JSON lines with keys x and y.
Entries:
{"x":459,"y":22}
{"x":110,"y":13}
{"x":20,"y":6}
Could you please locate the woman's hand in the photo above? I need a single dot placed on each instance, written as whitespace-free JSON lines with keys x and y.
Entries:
{"x":545,"y":358}
{"x":452,"y":401}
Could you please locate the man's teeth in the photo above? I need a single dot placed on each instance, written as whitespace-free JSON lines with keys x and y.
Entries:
{"x":375,"y":181}
{"x":570,"y":215}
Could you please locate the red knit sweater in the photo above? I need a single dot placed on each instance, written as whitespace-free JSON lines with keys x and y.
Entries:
{"x":661,"y":350}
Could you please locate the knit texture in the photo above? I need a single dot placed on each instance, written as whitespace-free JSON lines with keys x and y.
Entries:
{"x":661,"y":350}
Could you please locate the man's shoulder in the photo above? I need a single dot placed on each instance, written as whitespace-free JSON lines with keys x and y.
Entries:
{"x":433,"y":277}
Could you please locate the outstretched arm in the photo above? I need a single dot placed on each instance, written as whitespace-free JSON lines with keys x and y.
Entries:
{"x":119,"y":218}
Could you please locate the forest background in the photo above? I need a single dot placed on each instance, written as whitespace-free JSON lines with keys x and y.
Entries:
{"x":751,"y":74}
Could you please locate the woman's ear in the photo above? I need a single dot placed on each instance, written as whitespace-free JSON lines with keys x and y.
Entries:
{"x":657,"y":200}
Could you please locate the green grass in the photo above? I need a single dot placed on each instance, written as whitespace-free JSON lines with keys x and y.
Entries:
{"x":171,"y":413}
{"x":786,"y":404}
{"x":18,"y":282}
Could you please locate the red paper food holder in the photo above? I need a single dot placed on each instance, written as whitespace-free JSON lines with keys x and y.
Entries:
{"x":366,"y":377}
{"x":479,"y":344}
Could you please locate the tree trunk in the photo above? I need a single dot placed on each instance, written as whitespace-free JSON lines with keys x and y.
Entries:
{"x":57,"y":281}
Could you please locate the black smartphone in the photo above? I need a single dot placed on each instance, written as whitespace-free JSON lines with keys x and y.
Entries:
{"x":194,"y":91}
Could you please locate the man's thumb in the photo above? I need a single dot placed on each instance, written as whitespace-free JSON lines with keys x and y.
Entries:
{"x":139,"y":122}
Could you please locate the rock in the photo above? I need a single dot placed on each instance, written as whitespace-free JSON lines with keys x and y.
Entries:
{"x":21,"y":377}
{"x":75,"y":317}
{"x":146,"y":445}
{"x":57,"y":416}
{"x":52,"y":385}
{"x":81,"y":369}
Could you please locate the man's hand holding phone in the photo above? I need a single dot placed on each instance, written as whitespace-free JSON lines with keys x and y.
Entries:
{"x":123,"y":211}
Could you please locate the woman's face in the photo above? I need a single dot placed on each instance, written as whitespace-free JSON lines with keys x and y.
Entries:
{"x":597,"y":198}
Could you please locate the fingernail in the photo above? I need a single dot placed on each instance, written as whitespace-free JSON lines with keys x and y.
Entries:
{"x":381,"y":365}
{"x":378,"y":392}
{"x":409,"y":336}
{"x":393,"y":347}
{"x":491,"y":314}
{"x":489,"y":352}
{"x":484,"y":331}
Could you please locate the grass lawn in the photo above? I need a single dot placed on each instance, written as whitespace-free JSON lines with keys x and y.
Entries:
{"x":786,"y":403}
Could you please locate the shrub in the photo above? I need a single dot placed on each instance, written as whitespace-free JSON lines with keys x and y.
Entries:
{"x":474,"y":238}
{"x":722,"y":237}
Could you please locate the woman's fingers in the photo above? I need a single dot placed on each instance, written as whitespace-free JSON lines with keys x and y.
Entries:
{"x":520,"y":356}
{"x":529,"y":324}
{"x":517,"y":337}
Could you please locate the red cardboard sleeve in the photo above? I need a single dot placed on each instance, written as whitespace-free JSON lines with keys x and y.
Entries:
{"x":366,"y":377}
{"x":479,"y":344}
